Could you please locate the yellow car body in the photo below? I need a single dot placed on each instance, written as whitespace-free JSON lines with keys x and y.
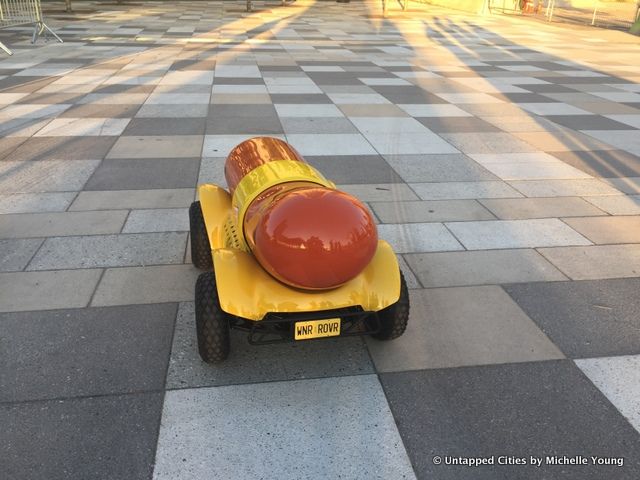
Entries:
{"x":246,"y":290}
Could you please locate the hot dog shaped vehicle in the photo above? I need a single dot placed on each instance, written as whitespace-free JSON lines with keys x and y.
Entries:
{"x":288,"y":256}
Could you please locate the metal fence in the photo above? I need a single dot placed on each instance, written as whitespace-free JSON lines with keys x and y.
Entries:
{"x":619,"y":14}
{"x":14,"y":13}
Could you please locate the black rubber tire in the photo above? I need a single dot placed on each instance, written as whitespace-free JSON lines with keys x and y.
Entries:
{"x":212,"y":323}
{"x":394,"y":318}
{"x":200,"y":246}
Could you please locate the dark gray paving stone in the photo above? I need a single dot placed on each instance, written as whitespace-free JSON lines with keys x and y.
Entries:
{"x":41,"y":98}
{"x":186,"y":65}
{"x":523,"y":97}
{"x":519,"y":410}
{"x":123,"y":88}
{"x":585,"y":318}
{"x":457,"y":124}
{"x":438,"y":168}
{"x":603,"y":163}
{"x":24,"y":84}
{"x":76,"y":439}
{"x":165,"y":126}
{"x":238,"y":81}
{"x":62,"y":148}
{"x":84,"y":352}
{"x":589,"y":122}
{"x":262,"y":125}
{"x":277,"y":98}
{"x":100,"y":111}
{"x":317,"y":125}
{"x":420,"y":97}
{"x":254,"y":364}
{"x":16,"y":253}
{"x":142,"y":174}
{"x":335,"y":78}
{"x":241,"y":110}
{"x":352,"y":169}
{"x":547,"y":88}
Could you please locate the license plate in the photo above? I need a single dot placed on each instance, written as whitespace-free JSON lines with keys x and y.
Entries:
{"x":329,"y":327}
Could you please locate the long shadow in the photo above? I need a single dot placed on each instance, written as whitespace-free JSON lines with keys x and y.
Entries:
{"x":191,"y":50}
{"x":605,"y":163}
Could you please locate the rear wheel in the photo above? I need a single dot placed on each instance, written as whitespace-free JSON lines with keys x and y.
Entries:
{"x":200,"y":246}
{"x":394,"y":318}
{"x":212,"y":323}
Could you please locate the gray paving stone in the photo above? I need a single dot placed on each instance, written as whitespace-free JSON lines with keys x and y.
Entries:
{"x":487,"y":142}
{"x":585,"y":319}
{"x":589,"y":122}
{"x":157,"y":220}
{"x":100,"y":111}
{"x":418,"y":237}
{"x":523,"y":208}
{"x":139,"y":249}
{"x":115,"y":436}
{"x":67,"y":148}
{"x":264,"y":125}
{"x":61,"y":223}
{"x":563,"y":141}
{"x":527,"y":166}
{"x":438,"y":168}
{"x":212,"y":171}
{"x":603,"y":163}
{"x":515,"y":234}
{"x":453,"y":327}
{"x":175,"y":111}
{"x":619,"y":379}
{"x":196,"y":422}
{"x":15,"y":254}
{"x":464,"y":190}
{"x":448,"y":269}
{"x":145,"y":174}
{"x":158,"y":146}
{"x":381,"y":192}
{"x":151,"y":284}
{"x":539,"y":408}
{"x":617,"y":205}
{"x":630,"y":185}
{"x":85,"y":352}
{"x":457,"y":125}
{"x":132,"y":199}
{"x":22,"y":291}
{"x":563,"y":188}
{"x":255,"y":364}
{"x":595,"y":262}
{"x":620,"y":229}
{"x":242,"y":110}
{"x":161,"y":126}
{"x":49,"y":176}
{"x":354,"y":169}
{"x":409,"y":276}
{"x":430,"y":211}
{"x":628,"y":140}
{"x":35,"y":202}
{"x":522,"y":123}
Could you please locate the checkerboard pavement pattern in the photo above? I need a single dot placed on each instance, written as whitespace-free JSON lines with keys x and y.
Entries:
{"x":501,"y":159}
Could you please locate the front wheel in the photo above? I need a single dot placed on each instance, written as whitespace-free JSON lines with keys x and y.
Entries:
{"x":394,"y":318}
{"x":212,"y":323}
{"x":200,"y":246}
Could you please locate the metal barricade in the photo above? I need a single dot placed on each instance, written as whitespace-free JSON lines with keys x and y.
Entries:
{"x":14,"y":13}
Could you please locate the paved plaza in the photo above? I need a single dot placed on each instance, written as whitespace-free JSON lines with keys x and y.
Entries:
{"x":500,"y":157}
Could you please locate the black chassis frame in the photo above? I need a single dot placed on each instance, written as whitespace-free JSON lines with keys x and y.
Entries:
{"x":277,"y":327}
